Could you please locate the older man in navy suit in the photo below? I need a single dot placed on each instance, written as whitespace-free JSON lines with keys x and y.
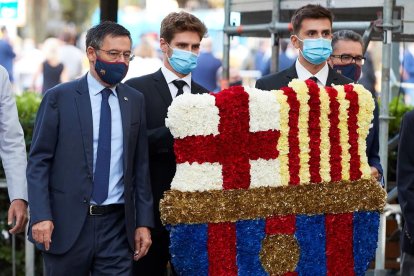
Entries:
{"x":88,"y":179}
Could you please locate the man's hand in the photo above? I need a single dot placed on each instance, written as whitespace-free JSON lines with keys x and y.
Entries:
{"x":142,"y":242}
{"x":42,"y":232}
{"x":375,"y":173}
{"x":18,"y":214}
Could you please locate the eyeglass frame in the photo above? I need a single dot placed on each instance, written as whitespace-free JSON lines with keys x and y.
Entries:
{"x":360,"y":60}
{"x":114,"y":54}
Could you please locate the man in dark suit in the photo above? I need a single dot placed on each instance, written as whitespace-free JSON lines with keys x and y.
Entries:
{"x":405,"y":184}
{"x":180,"y":37}
{"x":347,"y":59}
{"x":312,"y":34}
{"x":88,"y":179}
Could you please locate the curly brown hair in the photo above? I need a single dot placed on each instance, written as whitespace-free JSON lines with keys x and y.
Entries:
{"x":309,"y":11}
{"x":178,"y":22}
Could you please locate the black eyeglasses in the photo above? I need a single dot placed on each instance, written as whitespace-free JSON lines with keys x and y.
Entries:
{"x":347,"y":59}
{"x":114,"y":55}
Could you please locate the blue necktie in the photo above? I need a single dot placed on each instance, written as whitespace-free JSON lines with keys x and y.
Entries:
{"x":103,"y":156}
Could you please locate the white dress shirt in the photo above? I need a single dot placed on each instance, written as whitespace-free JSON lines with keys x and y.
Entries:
{"x":116,"y":184}
{"x":170,"y":77}
{"x":304,"y":74}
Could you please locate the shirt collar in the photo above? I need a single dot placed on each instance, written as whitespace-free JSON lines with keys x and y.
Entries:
{"x":95,"y":87}
{"x":304,"y":74}
{"x":170,"y":76}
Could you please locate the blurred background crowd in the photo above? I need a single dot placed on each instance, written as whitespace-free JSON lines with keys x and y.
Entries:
{"x":44,"y":44}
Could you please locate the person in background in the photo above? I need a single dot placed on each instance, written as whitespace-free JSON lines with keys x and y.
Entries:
{"x":408,"y":73}
{"x":52,"y":69}
{"x":405,"y":186}
{"x":207,"y":67}
{"x":180,"y":37}
{"x":284,"y":60}
{"x":70,"y":55}
{"x":146,"y":60}
{"x":7,"y":54}
{"x":13,"y":156}
{"x":347,"y":59}
{"x":312,"y":35}
{"x":88,"y":179}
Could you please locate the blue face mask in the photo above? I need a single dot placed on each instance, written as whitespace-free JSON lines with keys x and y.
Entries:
{"x":110,"y":72}
{"x":352,"y":71}
{"x":182,"y":61}
{"x":317,"y":50}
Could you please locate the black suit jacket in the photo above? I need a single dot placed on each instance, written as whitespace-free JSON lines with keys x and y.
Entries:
{"x":405,"y":180}
{"x":282,"y":79}
{"x":60,"y":167}
{"x":162,"y":159}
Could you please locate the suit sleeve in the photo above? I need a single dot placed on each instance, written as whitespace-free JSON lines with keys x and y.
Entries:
{"x":143,"y":193}
{"x":160,"y":140}
{"x":405,"y":171}
{"x":41,"y":155}
{"x":373,"y":154}
{"x":259,"y":84}
{"x":12,"y":145}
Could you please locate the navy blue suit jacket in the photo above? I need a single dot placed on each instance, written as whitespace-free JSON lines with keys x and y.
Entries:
{"x":405,"y":180}
{"x":373,"y":142}
{"x":60,"y":166}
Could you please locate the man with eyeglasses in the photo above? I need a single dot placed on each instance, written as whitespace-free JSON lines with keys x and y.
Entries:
{"x":180,"y":37}
{"x":312,"y":34}
{"x":88,"y":178}
{"x":347,"y":59}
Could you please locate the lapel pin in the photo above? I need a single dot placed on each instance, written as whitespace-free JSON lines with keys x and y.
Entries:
{"x":125,"y":98}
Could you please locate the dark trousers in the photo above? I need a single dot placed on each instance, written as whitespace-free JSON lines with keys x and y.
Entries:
{"x":101,"y":249}
{"x":407,"y":264}
{"x":155,"y":262}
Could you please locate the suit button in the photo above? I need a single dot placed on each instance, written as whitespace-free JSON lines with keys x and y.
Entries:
{"x":84,"y":200}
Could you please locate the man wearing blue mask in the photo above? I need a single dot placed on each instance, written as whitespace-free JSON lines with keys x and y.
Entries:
{"x":180,"y":37}
{"x":312,"y":34}
{"x":347,"y":59}
{"x":88,"y":179}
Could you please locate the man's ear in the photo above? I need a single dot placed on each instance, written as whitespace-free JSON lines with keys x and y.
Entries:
{"x":295,"y":41}
{"x":91,"y":53}
{"x":163,"y":45}
{"x":330,"y":62}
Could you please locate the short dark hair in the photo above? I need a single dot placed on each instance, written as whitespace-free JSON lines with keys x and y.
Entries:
{"x":309,"y":11}
{"x":178,"y":22}
{"x":347,"y":35}
{"x":96,"y":34}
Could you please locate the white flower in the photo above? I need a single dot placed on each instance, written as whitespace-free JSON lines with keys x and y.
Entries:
{"x":193,"y":114}
{"x":264,"y":110}
{"x":197,"y":177}
{"x":265,"y":173}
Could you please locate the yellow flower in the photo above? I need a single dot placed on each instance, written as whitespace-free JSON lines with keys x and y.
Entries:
{"x":343,"y":130}
{"x":302,"y":94}
{"x":325,"y":170}
{"x":283,"y":143}
{"x":365,"y":116}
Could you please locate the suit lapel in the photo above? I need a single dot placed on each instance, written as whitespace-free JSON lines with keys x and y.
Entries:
{"x":125,"y":107}
{"x":162,"y":87}
{"x":332,"y":79}
{"x":291,"y":73}
{"x":195,"y":88}
{"x":83,"y":103}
